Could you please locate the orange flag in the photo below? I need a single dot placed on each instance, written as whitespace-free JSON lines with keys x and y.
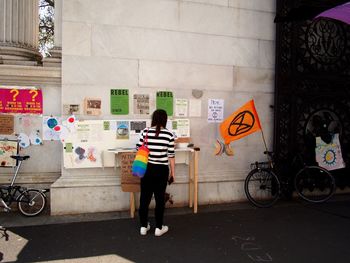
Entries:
{"x":242,"y":122}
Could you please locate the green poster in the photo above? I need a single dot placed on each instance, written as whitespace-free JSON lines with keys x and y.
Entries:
{"x":119,"y":101}
{"x":106,"y":125}
{"x":165,"y":101}
{"x":69,"y":147}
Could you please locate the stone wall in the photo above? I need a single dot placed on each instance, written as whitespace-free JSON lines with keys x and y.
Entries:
{"x":223,"y":47}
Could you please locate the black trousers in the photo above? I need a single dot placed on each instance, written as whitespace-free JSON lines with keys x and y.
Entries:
{"x":154,"y":182}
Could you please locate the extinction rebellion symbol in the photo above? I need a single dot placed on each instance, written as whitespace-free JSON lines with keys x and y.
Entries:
{"x":242,"y":123}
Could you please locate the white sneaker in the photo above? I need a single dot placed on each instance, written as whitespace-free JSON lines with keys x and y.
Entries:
{"x":162,"y":231}
{"x":144,"y":230}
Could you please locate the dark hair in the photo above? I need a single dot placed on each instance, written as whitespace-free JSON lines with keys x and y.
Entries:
{"x":159,"y":119}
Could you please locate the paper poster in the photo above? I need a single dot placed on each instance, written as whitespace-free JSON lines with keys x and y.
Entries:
{"x":92,"y":106}
{"x":51,"y":128}
{"x":21,"y":100}
{"x":24,"y":141}
{"x":137,"y":126}
{"x":141,"y":103}
{"x":215,"y":110}
{"x":119,"y":101}
{"x":70,"y":109}
{"x":164,"y":101}
{"x":122,"y":130}
{"x":181,"y":127}
{"x":8,"y":148}
{"x":89,"y":132}
{"x":181,"y":107}
{"x":329,"y":156}
{"x":195,"y":108}
{"x":30,"y":128}
{"x":82,"y":155}
{"x":7,"y":124}
{"x":35,"y":138}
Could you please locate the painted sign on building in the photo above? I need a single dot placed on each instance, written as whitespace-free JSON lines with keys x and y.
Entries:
{"x":21,"y":100}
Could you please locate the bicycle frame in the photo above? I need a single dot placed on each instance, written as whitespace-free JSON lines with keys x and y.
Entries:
{"x":10,"y":194}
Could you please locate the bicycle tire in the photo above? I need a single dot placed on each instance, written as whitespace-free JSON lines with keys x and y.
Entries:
{"x":262,"y":187}
{"x":314,"y":184}
{"x":31,"y":202}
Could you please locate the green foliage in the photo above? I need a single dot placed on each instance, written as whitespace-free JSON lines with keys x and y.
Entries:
{"x":46,"y":26}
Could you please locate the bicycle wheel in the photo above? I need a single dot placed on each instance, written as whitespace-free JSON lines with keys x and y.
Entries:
{"x":31,"y":202}
{"x":262,"y":187}
{"x":314,"y":184}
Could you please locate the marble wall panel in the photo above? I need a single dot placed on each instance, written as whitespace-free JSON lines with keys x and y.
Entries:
{"x":253,"y":80}
{"x":266,"y":54}
{"x":183,"y":75}
{"x":262,"y":5}
{"x":208,"y":2}
{"x":255,"y":24}
{"x":76,"y":39}
{"x":209,"y":19}
{"x":186,"y":16}
{"x":170,"y":46}
{"x":134,"y":13}
{"x":102,"y":71}
{"x":246,"y":52}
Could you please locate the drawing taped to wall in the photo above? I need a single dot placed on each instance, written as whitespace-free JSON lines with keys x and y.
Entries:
{"x":51,"y":128}
{"x":82,"y":155}
{"x":8,"y":148}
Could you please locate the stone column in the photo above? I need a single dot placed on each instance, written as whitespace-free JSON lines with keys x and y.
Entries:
{"x":19,"y":28}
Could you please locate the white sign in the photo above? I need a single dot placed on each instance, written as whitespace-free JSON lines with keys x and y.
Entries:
{"x":215,"y":110}
{"x":195,"y":108}
{"x":181,"y":107}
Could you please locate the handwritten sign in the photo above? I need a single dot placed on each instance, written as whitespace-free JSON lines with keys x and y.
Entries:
{"x":6,"y":124}
{"x":21,"y":100}
{"x":129,"y":182}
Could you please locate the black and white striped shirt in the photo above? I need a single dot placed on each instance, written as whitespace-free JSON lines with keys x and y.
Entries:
{"x":160,"y":148}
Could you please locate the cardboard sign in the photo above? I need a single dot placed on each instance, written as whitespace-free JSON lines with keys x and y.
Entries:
{"x":6,"y":124}
{"x":129,"y":182}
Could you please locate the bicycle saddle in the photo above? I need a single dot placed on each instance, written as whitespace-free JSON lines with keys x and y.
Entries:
{"x":20,"y":158}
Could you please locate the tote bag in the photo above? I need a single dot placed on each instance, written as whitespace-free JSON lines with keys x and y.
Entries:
{"x":329,"y":156}
{"x":139,"y":165}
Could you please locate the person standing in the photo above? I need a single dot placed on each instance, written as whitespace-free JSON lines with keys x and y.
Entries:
{"x":160,"y":142}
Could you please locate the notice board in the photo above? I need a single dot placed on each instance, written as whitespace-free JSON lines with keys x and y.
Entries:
{"x":86,"y":144}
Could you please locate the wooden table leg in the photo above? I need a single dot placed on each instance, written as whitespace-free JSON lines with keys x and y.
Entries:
{"x":132,"y":204}
{"x":195,"y":179}
{"x":190,"y":179}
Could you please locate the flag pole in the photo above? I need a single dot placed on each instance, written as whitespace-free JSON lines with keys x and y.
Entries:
{"x":263,"y":137}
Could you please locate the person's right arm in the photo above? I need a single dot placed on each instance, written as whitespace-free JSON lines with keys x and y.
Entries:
{"x":171,"y":157}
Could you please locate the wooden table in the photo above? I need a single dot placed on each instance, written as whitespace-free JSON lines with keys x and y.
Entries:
{"x":193,"y":155}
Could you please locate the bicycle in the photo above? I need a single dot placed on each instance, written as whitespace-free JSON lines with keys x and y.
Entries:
{"x":263,"y":186}
{"x":30,"y":202}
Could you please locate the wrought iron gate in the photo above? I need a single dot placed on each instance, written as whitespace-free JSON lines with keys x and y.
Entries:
{"x":312,"y":82}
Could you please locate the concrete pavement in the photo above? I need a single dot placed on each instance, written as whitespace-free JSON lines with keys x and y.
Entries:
{"x":289,"y":232}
